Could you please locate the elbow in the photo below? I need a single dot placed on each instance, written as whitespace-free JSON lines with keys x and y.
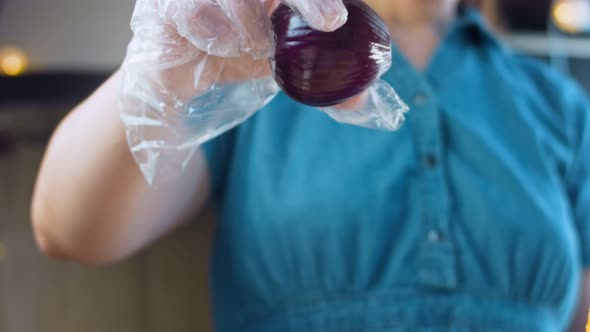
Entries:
{"x":46,"y":243}
{"x":53,"y":248}
{"x":58,"y":246}
{"x":49,"y":247}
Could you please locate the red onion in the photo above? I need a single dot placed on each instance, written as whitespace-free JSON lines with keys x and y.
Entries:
{"x":328,"y":68}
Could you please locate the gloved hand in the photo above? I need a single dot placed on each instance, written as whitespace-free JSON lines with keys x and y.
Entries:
{"x":197,"y":68}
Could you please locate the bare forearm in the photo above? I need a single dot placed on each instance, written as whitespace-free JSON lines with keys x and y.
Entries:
{"x":91,"y":201}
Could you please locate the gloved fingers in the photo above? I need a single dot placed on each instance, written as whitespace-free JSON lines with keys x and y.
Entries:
{"x":164,"y":66}
{"x":251,"y":20}
{"x":222,"y":28}
{"x":204,"y":23}
{"x":323,"y":15}
{"x":165,"y":27}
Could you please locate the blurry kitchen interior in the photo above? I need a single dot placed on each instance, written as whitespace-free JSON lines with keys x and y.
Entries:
{"x":52,"y":55}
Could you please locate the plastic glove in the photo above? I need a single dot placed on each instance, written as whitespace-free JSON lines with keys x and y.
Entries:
{"x":197,"y":68}
{"x":324,"y":15}
{"x":379,"y":107}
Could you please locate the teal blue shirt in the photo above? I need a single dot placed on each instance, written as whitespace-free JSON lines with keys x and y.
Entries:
{"x":475,"y":216}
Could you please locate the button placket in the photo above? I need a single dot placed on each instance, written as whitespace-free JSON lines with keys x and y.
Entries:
{"x":436,"y":262}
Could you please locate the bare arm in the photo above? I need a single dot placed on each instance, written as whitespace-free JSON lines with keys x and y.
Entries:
{"x":91,"y":203}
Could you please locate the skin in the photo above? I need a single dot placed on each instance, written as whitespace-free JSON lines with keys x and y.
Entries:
{"x":91,"y":203}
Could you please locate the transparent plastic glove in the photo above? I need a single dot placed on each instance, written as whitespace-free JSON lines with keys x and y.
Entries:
{"x":379,"y":107}
{"x":324,"y":15}
{"x":195,"y":69}
{"x":191,"y":73}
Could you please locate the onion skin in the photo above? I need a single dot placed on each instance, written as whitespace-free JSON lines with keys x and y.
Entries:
{"x":324,"y":69}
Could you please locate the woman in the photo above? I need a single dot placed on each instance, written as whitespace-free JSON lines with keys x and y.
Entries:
{"x":475,"y":216}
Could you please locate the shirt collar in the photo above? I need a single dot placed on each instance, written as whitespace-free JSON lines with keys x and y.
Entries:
{"x":471,"y":25}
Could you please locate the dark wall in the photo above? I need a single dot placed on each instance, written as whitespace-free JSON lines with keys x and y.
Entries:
{"x":526,"y":14}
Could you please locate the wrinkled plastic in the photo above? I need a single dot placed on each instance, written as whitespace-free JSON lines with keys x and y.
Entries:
{"x":380,"y":107}
{"x":197,"y":68}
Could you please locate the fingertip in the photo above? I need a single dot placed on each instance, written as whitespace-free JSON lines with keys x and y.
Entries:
{"x":327,"y":15}
{"x":334,"y":15}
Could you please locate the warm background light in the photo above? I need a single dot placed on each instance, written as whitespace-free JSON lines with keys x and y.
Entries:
{"x":13,"y":61}
{"x":572,"y":16}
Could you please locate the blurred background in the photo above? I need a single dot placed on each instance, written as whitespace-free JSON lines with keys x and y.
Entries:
{"x":52,"y":55}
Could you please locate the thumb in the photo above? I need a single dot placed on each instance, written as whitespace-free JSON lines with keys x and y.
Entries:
{"x":353,"y":103}
{"x":323,"y":15}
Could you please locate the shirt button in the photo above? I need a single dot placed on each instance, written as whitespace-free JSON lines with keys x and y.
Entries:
{"x":430,"y":160}
{"x":420,"y":99}
{"x":434,"y":236}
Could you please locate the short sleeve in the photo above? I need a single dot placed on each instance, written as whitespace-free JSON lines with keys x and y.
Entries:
{"x":218,"y":153}
{"x":579,"y":171}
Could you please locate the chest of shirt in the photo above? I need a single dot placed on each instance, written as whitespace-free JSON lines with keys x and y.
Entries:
{"x":468,"y":196}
